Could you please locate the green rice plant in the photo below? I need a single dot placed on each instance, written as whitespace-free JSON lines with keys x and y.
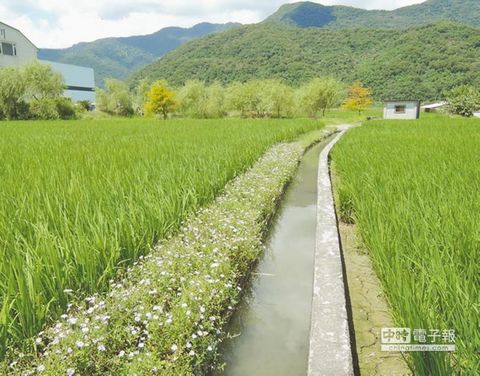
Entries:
{"x":413,"y":189}
{"x":79,"y":200}
{"x":167,"y":314}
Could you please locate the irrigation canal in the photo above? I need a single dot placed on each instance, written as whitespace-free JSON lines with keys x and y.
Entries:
{"x":271,"y":328}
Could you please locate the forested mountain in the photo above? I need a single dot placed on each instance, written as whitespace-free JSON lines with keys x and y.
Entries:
{"x":119,"y":57}
{"x":308,"y":14}
{"x":420,"y":62}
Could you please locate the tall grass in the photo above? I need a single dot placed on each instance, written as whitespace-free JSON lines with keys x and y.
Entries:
{"x":413,"y":188}
{"x":79,"y":199}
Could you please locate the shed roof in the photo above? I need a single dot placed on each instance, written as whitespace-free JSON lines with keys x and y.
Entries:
{"x":434,"y":105}
{"x":401,"y":100}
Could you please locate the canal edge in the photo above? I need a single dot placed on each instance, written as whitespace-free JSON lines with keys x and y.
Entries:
{"x":330,"y":349}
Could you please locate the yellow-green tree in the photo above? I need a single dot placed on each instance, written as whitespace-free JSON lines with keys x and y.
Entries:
{"x":160,"y":100}
{"x":359,"y":98}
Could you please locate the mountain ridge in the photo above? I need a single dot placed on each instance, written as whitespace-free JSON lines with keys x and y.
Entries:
{"x":310,"y":14}
{"x":118,"y":57}
{"x":418,"y":62}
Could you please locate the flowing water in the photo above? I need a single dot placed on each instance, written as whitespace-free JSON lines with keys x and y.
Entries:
{"x":272,"y":324}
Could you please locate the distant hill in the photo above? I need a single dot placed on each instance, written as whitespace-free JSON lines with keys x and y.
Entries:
{"x":308,"y":14}
{"x":119,"y":57}
{"x":417,"y":63}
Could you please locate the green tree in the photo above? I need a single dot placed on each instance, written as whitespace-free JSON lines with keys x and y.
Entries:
{"x":44,"y":88}
{"x":42,"y":81}
{"x":246,"y":98}
{"x":277,"y":98}
{"x":215,"y":106}
{"x":463,"y":100}
{"x":141,"y":95}
{"x":115,"y":99}
{"x":193,"y":99}
{"x":161,"y":100}
{"x":12,"y":94}
{"x":319,"y":95}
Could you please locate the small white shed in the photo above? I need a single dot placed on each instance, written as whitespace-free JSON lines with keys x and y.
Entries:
{"x":401,"y":109}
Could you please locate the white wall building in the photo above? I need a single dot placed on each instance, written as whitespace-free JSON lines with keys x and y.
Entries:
{"x":16,"y":49}
{"x":79,"y":81}
{"x":401,"y":109}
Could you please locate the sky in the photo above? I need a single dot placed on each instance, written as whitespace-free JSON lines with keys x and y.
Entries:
{"x":62,"y":23}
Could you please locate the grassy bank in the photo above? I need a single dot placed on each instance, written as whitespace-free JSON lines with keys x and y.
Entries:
{"x":166,"y":315}
{"x":78,"y":199}
{"x":413,"y":190}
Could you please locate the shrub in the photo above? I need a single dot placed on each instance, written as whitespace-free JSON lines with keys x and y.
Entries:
{"x":115,"y":99}
{"x":44,"y":109}
{"x":84,"y":105}
{"x":66,"y":109}
{"x":463,"y":100}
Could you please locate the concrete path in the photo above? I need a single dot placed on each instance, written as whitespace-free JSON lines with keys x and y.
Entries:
{"x":330,"y":350}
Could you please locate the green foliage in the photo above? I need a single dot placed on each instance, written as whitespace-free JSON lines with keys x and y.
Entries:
{"x":32,"y":91}
{"x":167,"y":316}
{"x":96,"y":195}
{"x":115,"y":99}
{"x":119,"y":57}
{"x":42,"y":82}
{"x":243,"y":97}
{"x":260,"y":98}
{"x":43,"y":109}
{"x":464,"y":100}
{"x":193,"y":99}
{"x":308,"y":14}
{"x":319,"y":95}
{"x":141,"y":95}
{"x":421,"y":62}
{"x":12,"y":92}
{"x":198,"y":100}
{"x":277,"y":98}
{"x":67,"y":110}
{"x":412,"y":189}
{"x":216,"y":101}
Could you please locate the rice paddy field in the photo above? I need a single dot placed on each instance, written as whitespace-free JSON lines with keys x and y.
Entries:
{"x":80,"y":200}
{"x":413,"y":190}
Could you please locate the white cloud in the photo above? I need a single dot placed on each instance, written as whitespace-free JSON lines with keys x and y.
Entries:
{"x":61,"y":23}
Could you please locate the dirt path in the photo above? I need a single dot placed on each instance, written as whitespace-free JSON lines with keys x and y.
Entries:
{"x":370,"y":310}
